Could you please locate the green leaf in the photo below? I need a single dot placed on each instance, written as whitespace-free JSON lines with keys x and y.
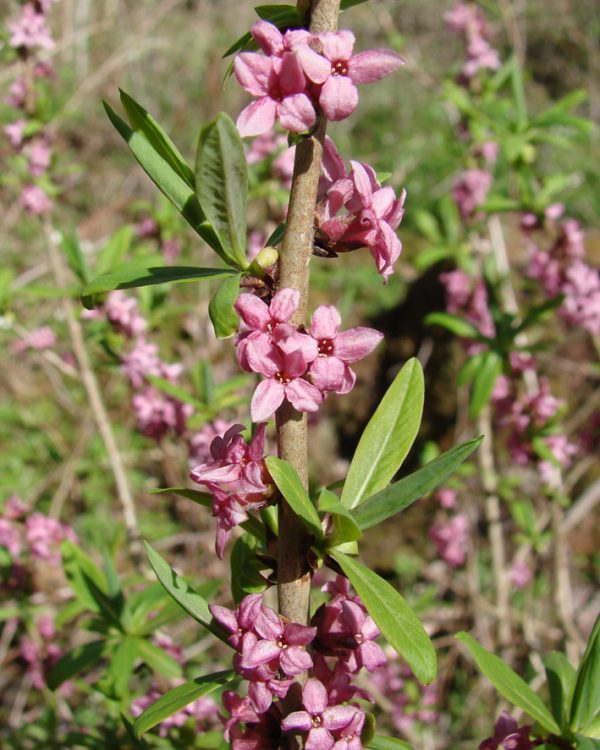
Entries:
{"x":115,"y":250}
{"x":509,"y":684}
{"x":167,"y":180}
{"x":404,"y":492}
{"x":388,"y":436}
{"x":75,"y":257}
{"x":586,"y":694}
{"x":158,"y":659}
{"x":221,"y":311}
{"x":347,"y":4}
{"x":345,"y":527}
{"x":470,"y":367}
{"x":74,"y":662}
{"x":174,"y":390}
{"x":87,"y":580}
{"x":288,"y":483}
{"x":116,"y":680}
{"x":180,"y":697}
{"x":222,"y":185}
{"x":134,"y":275}
{"x":392,"y":615}
{"x":484,"y":382}
{"x":428,"y":225}
{"x":387,"y":743}
{"x":587,"y":743}
{"x":194,"y":604}
{"x":593,"y":728}
{"x":560,"y":675}
{"x":141,"y":120}
{"x":453,"y":323}
{"x":202,"y":498}
{"x":245,"y":568}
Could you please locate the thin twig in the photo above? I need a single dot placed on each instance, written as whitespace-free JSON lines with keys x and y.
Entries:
{"x":96,"y":402}
{"x":293,"y":576}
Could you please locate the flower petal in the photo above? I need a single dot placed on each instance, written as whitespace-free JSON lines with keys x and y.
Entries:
{"x":383,"y":201}
{"x":315,"y":66}
{"x":268,"y":37}
{"x":290,"y":78}
{"x":314,"y":696}
{"x":261,"y":653}
{"x":284,"y":304}
{"x":299,"y":720}
{"x":294,"y":660}
{"x":303,"y":395}
{"x":326,"y":321}
{"x":267,"y":398}
{"x":253,"y":72}
{"x":356,"y":343}
{"x":333,"y":166}
{"x":338,"y":98}
{"x":338,"y":717}
{"x":327,"y":373}
{"x":362,"y":183}
{"x":373,"y":65}
{"x":257,"y":117}
{"x":296,"y":113}
{"x":337,"y":45}
{"x":319,"y":738}
{"x":253,"y":311}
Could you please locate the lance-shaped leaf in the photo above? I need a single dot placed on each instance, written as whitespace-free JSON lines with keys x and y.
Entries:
{"x":188,"y":599}
{"x":220,"y":309}
{"x":560,"y":675}
{"x":167,"y":180}
{"x":392,"y":615}
{"x":586,"y":694}
{"x":74,"y":662}
{"x":180,"y":697}
{"x":388,"y":436}
{"x":134,"y":274}
{"x":404,"y":492}
{"x":158,"y":659}
{"x":245,"y":568}
{"x":509,"y":684}
{"x":484,"y":382}
{"x":387,"y":743}
{"x":222,"y":185}
{"x":453,"y":323}
{"x":345,"y":527}
{"x":141,"y":120}
{"x":288,"y":483}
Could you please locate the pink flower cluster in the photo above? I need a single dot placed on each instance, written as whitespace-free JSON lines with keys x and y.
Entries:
{"x":170,"y":247}
{"x":468,"y":20}
{"x":297,"y":74}
{"x":29,"y":34}
{"x":468,"y":297}
{"x":156,"y":412}
{"x":470,"y":191}
{"x":372,"y":212}
{"x":297,"y":366}
{"x":451,"y":539}
{"x":508,"y":735}
{"x":527,"y":417}
{"x":270,"y":653}
{"x":31,"y":536}
{"x":38,"y":339}
{"x":410,"y":701}
{"x":41,"y":653}
{"x":561,"y":269}
{"x":237,"y":478}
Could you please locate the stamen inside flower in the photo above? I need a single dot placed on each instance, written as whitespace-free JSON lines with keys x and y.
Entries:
{"x":282,"y":378}
{"x":326,"y":347}
{"x":339,"y":68}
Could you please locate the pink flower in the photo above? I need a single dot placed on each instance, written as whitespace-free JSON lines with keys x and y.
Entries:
{"x":34,"y":200}
{"x":509,"y":736}
{"x":318,"y":718}
{"x":283,"y":380}
{"x":451,"y":540}
{"x":447,"y":498}
{"x":520,"y":574}
{"x":258,"y":320}
{"x":280,"y":86}
{"x":338,"y":73}
{"x":199,"y":443}
{"x":374,"y":213}
{"x":40,"y":338}
{"x":236,"y":467}
{"x":122,"y":312}
{"x":141,"y":361}
{"x":470,"y":191}
{"x":17,"y":93}
{"x":10,"y":537}
{"x":44,"y":536}
{"x":157,"y":413}
{"x":30,"y":30}
{"x":39,"y":154}
{"x":330,"y":371}
{"x":14,"y":132}
{"x":279,"y":643}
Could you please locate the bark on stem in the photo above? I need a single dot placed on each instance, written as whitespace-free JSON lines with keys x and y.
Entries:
{"x":293,"y":575}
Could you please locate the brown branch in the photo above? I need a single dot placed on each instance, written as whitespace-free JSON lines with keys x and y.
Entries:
{"x":293,"y":575}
